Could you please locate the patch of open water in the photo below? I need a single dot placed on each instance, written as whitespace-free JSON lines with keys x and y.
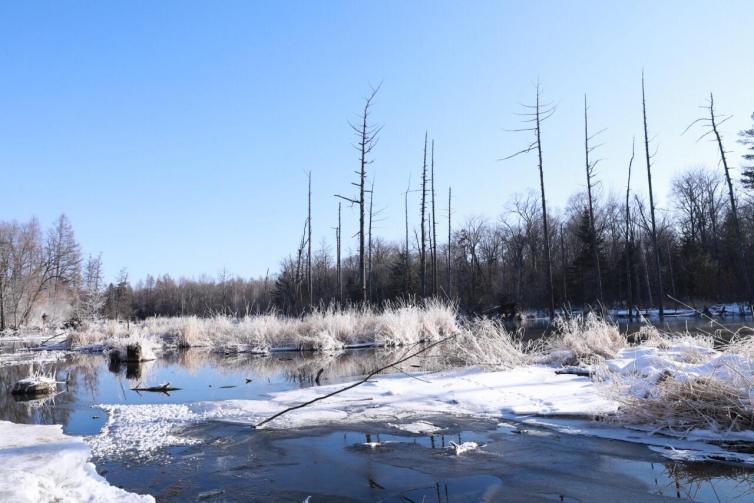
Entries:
{"x":235,"y":463}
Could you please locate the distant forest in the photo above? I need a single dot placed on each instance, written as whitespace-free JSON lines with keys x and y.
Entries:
{"x":605,"y":248}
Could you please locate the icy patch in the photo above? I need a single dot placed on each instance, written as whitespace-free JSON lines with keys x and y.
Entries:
{"x":459,"y":449}
{"x":142,"y":431}
{"x":417,"y":427}
{"x":40,"y":463}
{"x":24,"y":357}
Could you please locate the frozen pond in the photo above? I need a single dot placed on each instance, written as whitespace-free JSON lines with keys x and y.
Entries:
{"x":232,"y":462}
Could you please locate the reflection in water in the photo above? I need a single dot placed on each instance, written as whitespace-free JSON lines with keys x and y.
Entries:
{"x":288,"y":466}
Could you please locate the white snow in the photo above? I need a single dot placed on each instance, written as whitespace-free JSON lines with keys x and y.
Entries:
{"x":42,"y":464}
{"x":417,"y":427}
{"x":459,"y":449}
{"x":403,"y":402}
{"x":530,"y":395}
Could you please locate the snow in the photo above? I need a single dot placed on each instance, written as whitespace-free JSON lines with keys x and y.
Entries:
{"x":40,"y":464}
{"x":142,"y":430}
{"x":26,"y":356}
{"x":417,"y":427}
{"x":459,"y":449}
{"x":531,"y":395}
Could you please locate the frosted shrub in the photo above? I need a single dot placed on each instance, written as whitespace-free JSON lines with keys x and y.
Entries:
{"x":583,"y":339}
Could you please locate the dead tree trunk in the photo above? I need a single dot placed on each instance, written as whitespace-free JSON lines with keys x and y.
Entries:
{"x":423,"y":251}
{"x":590,"y":166}
{"x":629,"y":261}
{"x":450,"y":246}
{"x":367,"y":139}
{"x":369,"y":245}
{"x":536,"y":117}
{"x":338,"y":233}
{"x":434,"y":225}
{"x":548,"y":260}
{"x":309,"y":249}
{"x":660,"y":293}
{"x":407,"y":271}
{"x":733,"y":208}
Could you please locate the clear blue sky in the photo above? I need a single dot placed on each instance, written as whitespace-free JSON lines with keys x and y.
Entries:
{"x":175,"y":135}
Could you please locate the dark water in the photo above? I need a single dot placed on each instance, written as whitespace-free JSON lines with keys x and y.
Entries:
{"x":235,"y":463}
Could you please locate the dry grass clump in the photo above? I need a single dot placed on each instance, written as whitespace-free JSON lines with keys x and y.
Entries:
{"x":486,"y":342}
{"x":583,"y":340}
{"x":682,"y":405}
{"x":112,"y":336}
{"x":324,"y":329}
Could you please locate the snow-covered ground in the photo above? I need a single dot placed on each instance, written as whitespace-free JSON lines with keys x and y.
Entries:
{"x":527,"y":395}
{"x":40,"y":463}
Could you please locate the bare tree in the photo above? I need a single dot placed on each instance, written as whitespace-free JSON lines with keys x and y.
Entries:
{"x":628,"y":237}
{"x":591,"y":164}
{"x":450,"y":246}
{"x":369,"y":245}
{"x":434,"y":224}
{"x":660,"y":293}
{"x":423,"y":248}
{"x":92,"y":295}
{"x":310,"y":284}
{"x":338,"y":233}
{"x":367,"y":135}
{"x":711,"y":124}
{"x":536,"y":114}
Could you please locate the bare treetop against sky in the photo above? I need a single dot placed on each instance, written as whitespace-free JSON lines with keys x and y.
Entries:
{"x":176,"y":135}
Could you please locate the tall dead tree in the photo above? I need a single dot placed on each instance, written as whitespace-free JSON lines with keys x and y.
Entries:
{"x":407,"y":265}
{"x":309,"y":281}
{"x":656,"y":248}
{"x":367,"y":136}
{"x":535,"y":115}
{"x":434,"y":225}
{"x":369,"y":244}
{"x":339,"y":270}
{"x":423,"y":245}
{"x":563,"y":261}
{"x":591,"y":164}
{"x":450,"y":246}
{"x":711,"y":124}
{"x":628,"y":238}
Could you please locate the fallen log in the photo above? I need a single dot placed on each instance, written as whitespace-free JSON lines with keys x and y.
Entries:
{"x":32,"y":386}
{"x":162,"y":388}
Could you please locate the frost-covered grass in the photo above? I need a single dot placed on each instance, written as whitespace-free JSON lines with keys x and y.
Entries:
{"x":322,"y":330}
{"x":682,"y":384}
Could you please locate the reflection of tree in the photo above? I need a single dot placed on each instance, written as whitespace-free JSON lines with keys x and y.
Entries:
{"x":688,"y":480}
{"x":44,"y":410}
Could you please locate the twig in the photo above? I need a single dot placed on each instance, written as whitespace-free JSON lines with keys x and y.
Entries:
{"x":358,"y":383}
{"x":706,"y":316}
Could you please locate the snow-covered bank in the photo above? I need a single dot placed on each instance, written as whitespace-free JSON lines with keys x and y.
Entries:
{"x":41,"y":464}
{"x":625,"y":394}
{"x":144,"y":429}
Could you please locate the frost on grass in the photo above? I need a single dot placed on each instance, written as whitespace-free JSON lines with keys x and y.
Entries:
{"x":40,"y":463}
{"x":682,"y":386}
{"x":324,"y":329}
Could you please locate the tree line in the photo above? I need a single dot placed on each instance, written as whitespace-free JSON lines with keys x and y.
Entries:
{"x":601,"y":250}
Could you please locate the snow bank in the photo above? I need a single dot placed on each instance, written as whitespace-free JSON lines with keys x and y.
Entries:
{"x":41,"y":464}
{"x":625,"y":400}
{"x":142,"y":430}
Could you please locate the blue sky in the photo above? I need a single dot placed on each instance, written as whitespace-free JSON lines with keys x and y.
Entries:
{"x":176,"y":135}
